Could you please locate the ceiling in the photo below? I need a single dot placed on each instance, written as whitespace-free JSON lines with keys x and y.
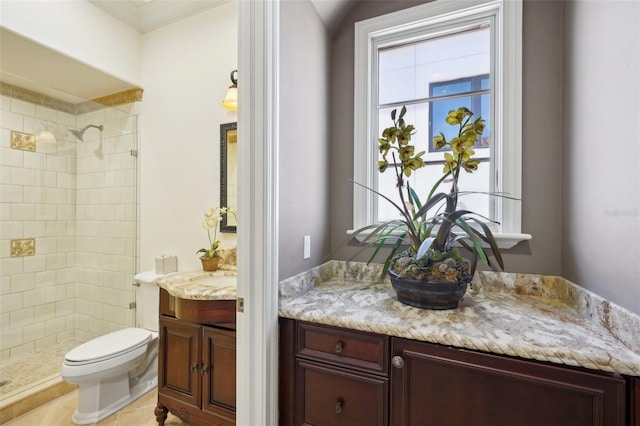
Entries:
{"x":72,"y":81}
{"x":148,"y":15}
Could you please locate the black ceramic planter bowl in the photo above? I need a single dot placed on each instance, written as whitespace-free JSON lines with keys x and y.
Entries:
{"x":433,"y":294}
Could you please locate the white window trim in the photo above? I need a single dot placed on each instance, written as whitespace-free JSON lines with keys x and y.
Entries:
{"x":507,"y":101}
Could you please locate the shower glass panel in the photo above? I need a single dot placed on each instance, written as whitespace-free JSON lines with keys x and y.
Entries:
{"x":68,"y":228}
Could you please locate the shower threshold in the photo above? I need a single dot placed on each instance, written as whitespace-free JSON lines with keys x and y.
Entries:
{"x":33,"y":379}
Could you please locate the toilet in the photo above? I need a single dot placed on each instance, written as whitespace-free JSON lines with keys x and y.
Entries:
{"x":113,"y":370}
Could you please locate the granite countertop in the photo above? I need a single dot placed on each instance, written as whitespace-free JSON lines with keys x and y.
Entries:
{"x":530,"y":316}
{"x":200,"y":285}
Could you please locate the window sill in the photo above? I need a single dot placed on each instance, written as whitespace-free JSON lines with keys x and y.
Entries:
{"x":504,"y":240}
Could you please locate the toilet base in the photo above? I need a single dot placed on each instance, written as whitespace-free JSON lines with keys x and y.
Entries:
{"x":93,"y":405}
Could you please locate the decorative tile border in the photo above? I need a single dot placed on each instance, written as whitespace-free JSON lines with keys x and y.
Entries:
{"x":24,"y":247}
{"x":121,"y":98}
{"x":23,"y":141}
{"x":115,"y":99}
{"x":36,"y":98}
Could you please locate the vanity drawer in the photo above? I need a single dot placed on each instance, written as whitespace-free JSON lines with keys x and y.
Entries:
{"x":335,"y":396}
{"x":167,"y":303}
{"x":354,"y":349}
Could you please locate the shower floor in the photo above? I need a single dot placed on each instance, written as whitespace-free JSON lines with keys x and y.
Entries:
{"x":33,"y":369}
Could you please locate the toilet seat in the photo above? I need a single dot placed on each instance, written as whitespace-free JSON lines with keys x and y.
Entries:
{"x":108,"y":346}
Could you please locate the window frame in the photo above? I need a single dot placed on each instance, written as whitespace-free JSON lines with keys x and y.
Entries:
{"x":506,"y":81}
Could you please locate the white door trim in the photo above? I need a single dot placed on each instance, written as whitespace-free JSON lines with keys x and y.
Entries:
{"x":257,"y":327}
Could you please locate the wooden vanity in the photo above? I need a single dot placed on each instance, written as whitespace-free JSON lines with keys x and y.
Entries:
{"x":335,"y":376}
{"x":197,"y":360}
{"x":520,"y":350}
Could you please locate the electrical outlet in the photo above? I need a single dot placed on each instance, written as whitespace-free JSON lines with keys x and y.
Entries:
{"x":307,"y":247}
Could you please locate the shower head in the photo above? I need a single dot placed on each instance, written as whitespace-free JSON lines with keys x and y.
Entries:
{"x":79,"y":133}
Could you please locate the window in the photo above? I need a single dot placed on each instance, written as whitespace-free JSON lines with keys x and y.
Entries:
{"x":433,"y":58}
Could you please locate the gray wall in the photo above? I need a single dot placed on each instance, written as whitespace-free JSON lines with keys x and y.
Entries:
{"x":581,"y":185}
{"x":304,"y":133}
{"x":601,"y":232}
{"x":542,"y":103}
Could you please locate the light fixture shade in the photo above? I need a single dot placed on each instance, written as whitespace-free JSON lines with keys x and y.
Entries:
{"x":231,"y":100}
{"x":46,"y":137}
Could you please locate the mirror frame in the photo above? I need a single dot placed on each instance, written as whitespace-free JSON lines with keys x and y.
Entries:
{"x":224,"y":131}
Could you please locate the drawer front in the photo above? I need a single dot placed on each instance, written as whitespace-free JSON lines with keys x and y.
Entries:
{"x":349,"y":348}
{"x":330,"y":396}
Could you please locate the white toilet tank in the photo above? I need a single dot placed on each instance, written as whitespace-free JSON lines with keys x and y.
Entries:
{"x":147,"y":300}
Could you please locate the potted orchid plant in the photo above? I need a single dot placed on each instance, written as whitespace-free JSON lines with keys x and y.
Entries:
{"x":211,"y":255}
{"x":424,"y":264}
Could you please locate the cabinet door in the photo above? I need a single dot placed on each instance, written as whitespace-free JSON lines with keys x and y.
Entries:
{"x":445,"y":386}
{"x":179,"y":360}
{"x":219,"y":379}
{"x":332,"y":396}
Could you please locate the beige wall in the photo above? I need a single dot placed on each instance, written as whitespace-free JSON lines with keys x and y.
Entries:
{"x":186,"y":68}
{"x":304,"y":132}
{"x":601,"y":192}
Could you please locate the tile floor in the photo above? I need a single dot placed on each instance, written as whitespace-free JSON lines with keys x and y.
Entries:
{"x":33,"y":368}
{"x":58,"y":413}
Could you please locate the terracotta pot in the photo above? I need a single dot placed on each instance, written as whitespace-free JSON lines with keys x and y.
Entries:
{"x":428,"y":294}
{"x":210,"y":263}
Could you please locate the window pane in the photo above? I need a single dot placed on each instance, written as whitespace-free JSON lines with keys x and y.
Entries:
{"x":422,"y":181}
{"x":416,"y":73}
{"x":451,"y":58}
{"x":478,"y":104}
{"x":397,"y":74}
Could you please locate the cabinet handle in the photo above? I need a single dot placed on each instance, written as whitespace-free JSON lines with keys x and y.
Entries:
{"x":338,"y":348}
{"x":397,"y":361}
{"x":194,"y":367}
{"x":205,"y":370}
{"x":338,"y":407}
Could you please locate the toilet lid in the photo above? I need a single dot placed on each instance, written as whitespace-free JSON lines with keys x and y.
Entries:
{"x":109,"y":345}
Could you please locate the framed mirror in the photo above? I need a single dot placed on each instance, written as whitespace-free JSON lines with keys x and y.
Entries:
{"x":228,"y":174}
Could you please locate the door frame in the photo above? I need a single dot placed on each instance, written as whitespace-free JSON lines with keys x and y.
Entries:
{"x":257,"y":232}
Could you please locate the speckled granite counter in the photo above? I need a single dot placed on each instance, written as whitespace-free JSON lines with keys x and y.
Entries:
{"x":200,"y":285}
{"x":529,"y":316}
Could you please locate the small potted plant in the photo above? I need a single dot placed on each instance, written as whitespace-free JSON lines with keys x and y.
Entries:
{"x":211,"y":255}
{"x":430,"y":272}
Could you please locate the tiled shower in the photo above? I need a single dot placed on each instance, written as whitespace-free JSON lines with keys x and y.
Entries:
{"x":68,"y":223}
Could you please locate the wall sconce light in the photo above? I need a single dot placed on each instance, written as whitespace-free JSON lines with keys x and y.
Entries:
{"x":231,"y":100}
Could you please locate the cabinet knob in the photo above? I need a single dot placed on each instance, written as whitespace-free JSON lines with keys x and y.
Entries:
{"x":338,"y":407}
{"x":338,"y":348}
{"x":194,"y":367}
{"x":397,"y":361}
{"x":205,"y":370}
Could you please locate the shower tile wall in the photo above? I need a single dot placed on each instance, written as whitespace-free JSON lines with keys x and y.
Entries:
{"x":79,"y":206}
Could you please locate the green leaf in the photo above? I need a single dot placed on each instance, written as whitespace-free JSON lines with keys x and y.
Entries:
{"x":431,"y":202}
{"x":394,"y":250}
{"x":490,"y":239}
{"x":415,"y":199}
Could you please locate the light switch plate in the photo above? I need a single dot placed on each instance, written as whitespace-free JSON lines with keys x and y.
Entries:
{"x":307,"y":247}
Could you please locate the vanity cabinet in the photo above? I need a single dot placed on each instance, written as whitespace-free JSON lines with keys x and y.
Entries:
{"x":196,"y":366}
{"x":333,"y":376}
{"x":438,"y":385}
